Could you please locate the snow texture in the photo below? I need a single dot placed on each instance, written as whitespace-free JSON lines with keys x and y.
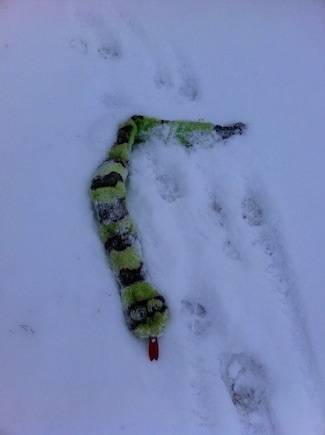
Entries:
{"x":232,"y":232}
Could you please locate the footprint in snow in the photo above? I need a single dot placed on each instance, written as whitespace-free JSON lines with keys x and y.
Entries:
{"x":265,"y":236}
{"x":266,"y":239}
{"x":79,"y":44}
{"x":189,"y":87}
{"x":99,"y":38}
{"x":219,"y":216}
{"x":195,"y":316}
{"x":110,"y":50}
{"x":202,"y":377}
{"x":163,"y":79}
{"x":107,"y":50}
{"x":252,"y":212}
{"x":246,"y":382}
{"x":183,"y":81}
{"x":179,"y":79}
{"x":168,"y":188}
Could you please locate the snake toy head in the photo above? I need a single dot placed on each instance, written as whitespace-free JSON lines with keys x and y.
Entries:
{"x":145,"y":310}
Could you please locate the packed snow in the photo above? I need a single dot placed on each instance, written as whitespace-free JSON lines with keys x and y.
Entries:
{"x":232,"y":232}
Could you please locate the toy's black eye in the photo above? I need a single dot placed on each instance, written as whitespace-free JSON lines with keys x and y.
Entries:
{"x":138,"y":313}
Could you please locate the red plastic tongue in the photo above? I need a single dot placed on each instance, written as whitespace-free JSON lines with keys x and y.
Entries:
{"x":153,"y":348}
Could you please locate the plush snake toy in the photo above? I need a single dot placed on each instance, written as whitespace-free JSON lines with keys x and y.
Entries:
{"x":145,"y":309}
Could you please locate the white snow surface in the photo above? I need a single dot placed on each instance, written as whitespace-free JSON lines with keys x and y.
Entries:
{"x":232,"y":235}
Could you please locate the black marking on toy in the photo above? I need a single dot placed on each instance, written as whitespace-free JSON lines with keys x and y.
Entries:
{"x":230,"y":130}
{"x":131,"y":276}
{"x":123,"y":134}
{"x":118,"y":242}
{"x":109,"y":180}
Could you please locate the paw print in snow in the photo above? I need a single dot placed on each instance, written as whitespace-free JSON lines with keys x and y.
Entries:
{"x":195,"y":316}
{"x":109,"y":51}
{"x":79,"y":45}
{"x":252,"y":212}
{"x":168,"y":188}
{"x":246,"y":382}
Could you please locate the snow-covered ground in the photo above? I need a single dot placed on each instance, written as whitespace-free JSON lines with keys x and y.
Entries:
{"x":233,"y":235}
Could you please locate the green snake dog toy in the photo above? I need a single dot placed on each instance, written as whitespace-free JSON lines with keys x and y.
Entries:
{"x":145,"y":309}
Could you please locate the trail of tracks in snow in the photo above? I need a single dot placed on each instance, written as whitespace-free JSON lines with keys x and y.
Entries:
{"x":237,"y":296}
{"x":112,"y":44}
